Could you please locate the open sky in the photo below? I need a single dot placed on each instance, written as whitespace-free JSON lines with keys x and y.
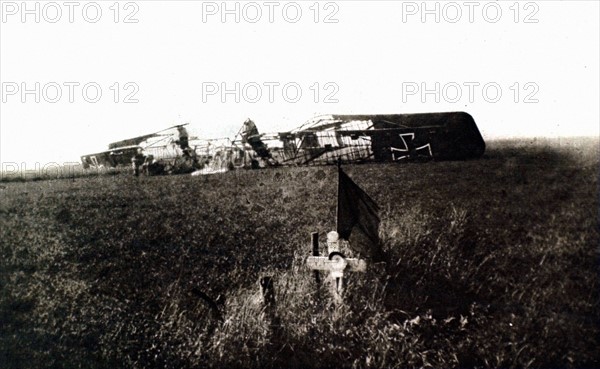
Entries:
{"x":103,"y":71}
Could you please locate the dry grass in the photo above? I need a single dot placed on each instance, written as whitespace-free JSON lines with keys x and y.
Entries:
{"x":491,"y":263}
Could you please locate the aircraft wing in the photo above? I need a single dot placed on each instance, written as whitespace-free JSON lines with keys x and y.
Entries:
{"x":451,"y":136}
{"x":131,"y":141}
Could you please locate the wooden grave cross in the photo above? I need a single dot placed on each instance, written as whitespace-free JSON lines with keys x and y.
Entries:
{"x":336,"y":263}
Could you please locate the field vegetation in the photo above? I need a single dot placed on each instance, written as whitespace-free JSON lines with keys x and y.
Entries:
{"x":490,"y":263}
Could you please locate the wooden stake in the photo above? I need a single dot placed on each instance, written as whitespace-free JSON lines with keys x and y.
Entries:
{"x":314,"y":237}
{"x":268,"y":294}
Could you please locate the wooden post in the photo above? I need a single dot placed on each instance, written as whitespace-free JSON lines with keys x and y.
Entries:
{"x":268,"y":294}
{"x":314,"y":237}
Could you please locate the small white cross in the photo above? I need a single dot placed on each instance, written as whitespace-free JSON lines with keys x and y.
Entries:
{"x":336,"y":264}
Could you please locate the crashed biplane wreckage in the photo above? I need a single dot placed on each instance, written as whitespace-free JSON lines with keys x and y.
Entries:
{"x":173,"y":151}
{"x":164,"y":152}
{"x":360,"y":138}
{"x":322,"y":140}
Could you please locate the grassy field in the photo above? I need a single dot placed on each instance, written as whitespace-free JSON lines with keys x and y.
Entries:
{"x":491,"y":263}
